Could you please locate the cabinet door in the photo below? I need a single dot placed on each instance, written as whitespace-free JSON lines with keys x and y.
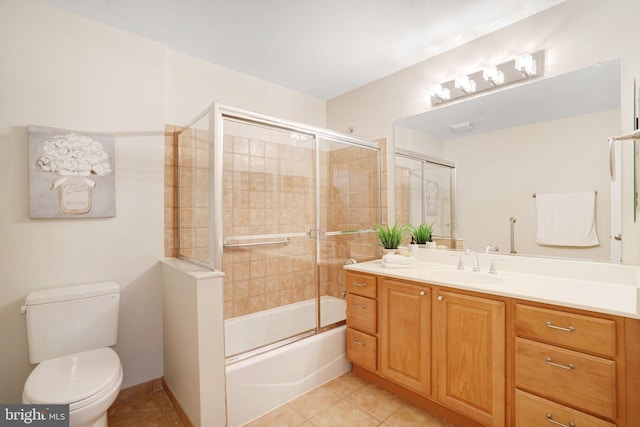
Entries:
{"x":404,"y":333}
{"x":470,"y":349}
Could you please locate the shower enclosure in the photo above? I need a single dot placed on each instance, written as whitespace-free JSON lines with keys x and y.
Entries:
{"x":425,"y":190}
{"x":279,"y":207}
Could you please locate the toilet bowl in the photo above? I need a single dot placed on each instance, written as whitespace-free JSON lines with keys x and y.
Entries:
{"x":88,"y":382}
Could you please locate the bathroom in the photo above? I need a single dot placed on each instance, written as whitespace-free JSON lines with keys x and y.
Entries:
{"x":150,"y":86}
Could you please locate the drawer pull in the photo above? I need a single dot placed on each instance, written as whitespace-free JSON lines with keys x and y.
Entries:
{"x":552,"y":421}
{"x":356,"y":341}
{"x":569,"y":367}
{"x":423,"y":293}
{"x":552,"y":326}
{"x":358,"y":284}
{"x":361,"y":307}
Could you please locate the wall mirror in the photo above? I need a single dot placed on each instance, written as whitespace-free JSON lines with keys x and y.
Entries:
{"x":545,"y":136}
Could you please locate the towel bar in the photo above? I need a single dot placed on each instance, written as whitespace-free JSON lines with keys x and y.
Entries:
{"x":285,"y":241}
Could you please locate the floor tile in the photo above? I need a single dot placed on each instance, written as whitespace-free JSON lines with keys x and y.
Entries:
{"x":377,"y":401}
{"x":344,"y":414}
{"x":315,"y":401}
{"x":149,"y":410}
{"x":412,"y":416}
{"x":346,"y":384}
{"x":284,"y":416}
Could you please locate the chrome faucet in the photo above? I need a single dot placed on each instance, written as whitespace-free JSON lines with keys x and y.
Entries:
{"x":476,"y":265}
{"x":490,"y":248}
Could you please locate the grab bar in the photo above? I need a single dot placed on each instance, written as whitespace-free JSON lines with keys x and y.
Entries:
{"x":285,"y":241}
{"x":512,"y":221}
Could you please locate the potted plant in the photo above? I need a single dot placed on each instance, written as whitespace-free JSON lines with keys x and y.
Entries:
{"x":422,"y":233}
{"x":391,"y":237}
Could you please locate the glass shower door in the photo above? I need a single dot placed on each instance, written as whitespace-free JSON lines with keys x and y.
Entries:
{"x":425,"y":190}
{"x":349,"y":199}
{"x":269,"y":208}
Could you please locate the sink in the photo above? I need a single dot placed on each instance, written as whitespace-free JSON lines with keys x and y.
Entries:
{"x":465,"y":277}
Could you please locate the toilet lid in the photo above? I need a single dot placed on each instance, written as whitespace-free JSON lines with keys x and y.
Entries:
{"x":73,"y":378}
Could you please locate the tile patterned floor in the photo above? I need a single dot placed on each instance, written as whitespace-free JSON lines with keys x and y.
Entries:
{"x":345,"y":401}
{"x":149,"y":410}
{"x":349,"y":401}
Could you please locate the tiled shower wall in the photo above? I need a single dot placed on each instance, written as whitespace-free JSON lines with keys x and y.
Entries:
{"x":268,"y":189}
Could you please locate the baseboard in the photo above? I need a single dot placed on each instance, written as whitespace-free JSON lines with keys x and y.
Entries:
{"x":138,"y":390}
{"x":176,"y":405}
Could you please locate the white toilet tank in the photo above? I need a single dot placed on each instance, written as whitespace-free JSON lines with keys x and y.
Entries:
{"x":71,"y":319}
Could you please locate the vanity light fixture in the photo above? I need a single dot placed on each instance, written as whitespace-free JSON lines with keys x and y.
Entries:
{"x":465,"y":84}
{"x":437,"y":91}
{"x":527,"y":66}
{"x":493,"y":76}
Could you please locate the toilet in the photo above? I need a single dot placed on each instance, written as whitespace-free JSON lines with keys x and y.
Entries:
{"x":70,"y":331}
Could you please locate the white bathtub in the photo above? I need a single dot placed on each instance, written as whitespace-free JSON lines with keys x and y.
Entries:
{"x":261,"y":383}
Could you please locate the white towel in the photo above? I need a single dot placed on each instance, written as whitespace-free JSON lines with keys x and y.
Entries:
{"x":404,"y":260}
{"x":567,"y":219}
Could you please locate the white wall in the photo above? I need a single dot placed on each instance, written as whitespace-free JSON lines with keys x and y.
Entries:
{"x":192,"y":85}
{"x":575,"y":34}
{"x":61,"y":70}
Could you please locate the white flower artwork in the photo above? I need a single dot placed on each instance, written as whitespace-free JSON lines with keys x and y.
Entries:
{"x":71,"y":174}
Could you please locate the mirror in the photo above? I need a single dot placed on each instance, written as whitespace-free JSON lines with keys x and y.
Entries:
{"x":545,"y":136}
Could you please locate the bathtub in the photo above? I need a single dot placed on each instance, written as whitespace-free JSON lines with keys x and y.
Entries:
{"x":261,"y":383}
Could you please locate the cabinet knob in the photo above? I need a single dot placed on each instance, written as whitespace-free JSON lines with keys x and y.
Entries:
{"x":440,"y":298}
{"x":423,"y":293}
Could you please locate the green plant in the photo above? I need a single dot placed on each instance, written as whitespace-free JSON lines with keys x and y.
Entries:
{"x":422,"y":233}
{"x":391,"y":237}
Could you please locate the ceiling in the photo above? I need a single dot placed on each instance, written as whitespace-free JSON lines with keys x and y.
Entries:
{"x":323,"y":48}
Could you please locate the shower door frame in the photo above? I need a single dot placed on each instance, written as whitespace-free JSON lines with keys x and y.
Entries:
{"x":424,"y":159}
{"x":217,"y":114}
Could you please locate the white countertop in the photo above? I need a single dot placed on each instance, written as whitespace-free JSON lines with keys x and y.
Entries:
{"x":598,"y":287}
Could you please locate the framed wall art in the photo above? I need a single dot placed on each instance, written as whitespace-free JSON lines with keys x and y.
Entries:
{"x":71,"y":174}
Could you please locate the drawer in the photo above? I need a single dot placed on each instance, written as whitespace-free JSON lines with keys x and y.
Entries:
{"x":361,"y":284}
{"x":575,"y":331}
{"x":362,"y":313}
{"x":362,"y":349}
{"x":568,"y":377}
{"x":534,"y":411}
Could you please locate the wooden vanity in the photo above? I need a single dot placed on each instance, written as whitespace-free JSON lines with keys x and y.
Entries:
{"x":479,"y":359}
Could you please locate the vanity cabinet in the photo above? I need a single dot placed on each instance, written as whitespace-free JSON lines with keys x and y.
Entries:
{"x":405,"y":334}
{"x":470,"y":356}
{"x":568,"y":360}
{"x":448,"y":348}
{"x":493,"y":361}
{"x":362,"y":320}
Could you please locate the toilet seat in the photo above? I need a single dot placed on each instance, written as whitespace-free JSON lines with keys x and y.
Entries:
{"x":77,"y":379}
